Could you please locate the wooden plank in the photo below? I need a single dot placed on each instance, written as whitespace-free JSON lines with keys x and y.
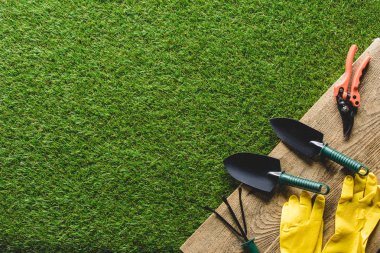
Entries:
{"x":263,"y":212}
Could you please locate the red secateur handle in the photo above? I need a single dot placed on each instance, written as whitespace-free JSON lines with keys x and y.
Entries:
{"x":347,"y":74}
{"x":354,"y":93}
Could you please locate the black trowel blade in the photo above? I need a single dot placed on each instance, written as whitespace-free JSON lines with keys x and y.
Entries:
{"x":252,"y":169}
{"x":297,"y":135}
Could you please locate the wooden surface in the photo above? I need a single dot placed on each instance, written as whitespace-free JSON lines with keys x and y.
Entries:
{"x":263,"y":212}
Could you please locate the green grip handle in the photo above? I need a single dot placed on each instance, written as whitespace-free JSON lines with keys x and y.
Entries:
{"x":304,"y":183}
{"x":344,"y":160}
{"x":250,"y":247}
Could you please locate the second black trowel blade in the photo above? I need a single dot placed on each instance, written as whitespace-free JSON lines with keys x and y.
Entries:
{"x":252,"y":170}
{"x":297,"y":135}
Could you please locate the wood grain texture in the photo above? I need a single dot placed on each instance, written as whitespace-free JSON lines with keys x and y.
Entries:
{"x":263,"y":212}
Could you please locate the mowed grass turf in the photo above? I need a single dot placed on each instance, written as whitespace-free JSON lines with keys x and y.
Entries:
{"x":116,"y":116}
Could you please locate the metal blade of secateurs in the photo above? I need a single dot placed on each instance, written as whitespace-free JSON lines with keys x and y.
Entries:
{"x":348,"y":123}
{"x":297,"y":135}
{"x":252,"y":170}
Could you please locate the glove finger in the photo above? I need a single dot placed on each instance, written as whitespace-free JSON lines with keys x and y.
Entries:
{"x":294,"y":211}
{"x":373,"y":215}
{"x":347,"y":189}
{"x":305,"y":205}
{"x":371,"y":184}
{"x":370,"y":189}
{"x":318,"y":247}
{"x":377,"y":197}
{"x":318,"y":208}
{"x":285,"y":214}
{"x":359,"y":185}
{"x":293,"y":202}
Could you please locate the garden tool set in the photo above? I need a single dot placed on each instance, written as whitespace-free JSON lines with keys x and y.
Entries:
{"x":301,"y":228}
{"x":348,"y":102}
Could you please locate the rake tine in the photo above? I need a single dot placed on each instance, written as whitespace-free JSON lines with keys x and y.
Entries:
{"x":223,"y":220}
{"x":235,"y":218}
{"x":242,"y":212}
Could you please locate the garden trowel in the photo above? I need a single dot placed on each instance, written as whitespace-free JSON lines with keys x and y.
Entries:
{"x":309,"y":142}
{"x":264,"y":173}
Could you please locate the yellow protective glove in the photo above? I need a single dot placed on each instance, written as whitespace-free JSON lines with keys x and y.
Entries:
{"x":301,"y":229}
{"x":357,"y":214}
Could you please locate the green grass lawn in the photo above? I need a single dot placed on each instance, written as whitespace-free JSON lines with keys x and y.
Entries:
{"x":116,"y":116}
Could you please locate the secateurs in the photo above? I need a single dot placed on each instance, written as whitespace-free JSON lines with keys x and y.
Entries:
{"x":248,"y":246}
{"x":349,"y":101}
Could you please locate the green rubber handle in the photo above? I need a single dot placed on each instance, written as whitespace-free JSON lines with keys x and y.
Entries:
{"x":303,"y":183}
{"x":250,"y":247}
{"x":344,"y":160}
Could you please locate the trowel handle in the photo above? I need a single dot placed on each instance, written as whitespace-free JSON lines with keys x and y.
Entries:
{"x":344,"y":160}
{"x":250,"y":247}
{"x":304,"y":183}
